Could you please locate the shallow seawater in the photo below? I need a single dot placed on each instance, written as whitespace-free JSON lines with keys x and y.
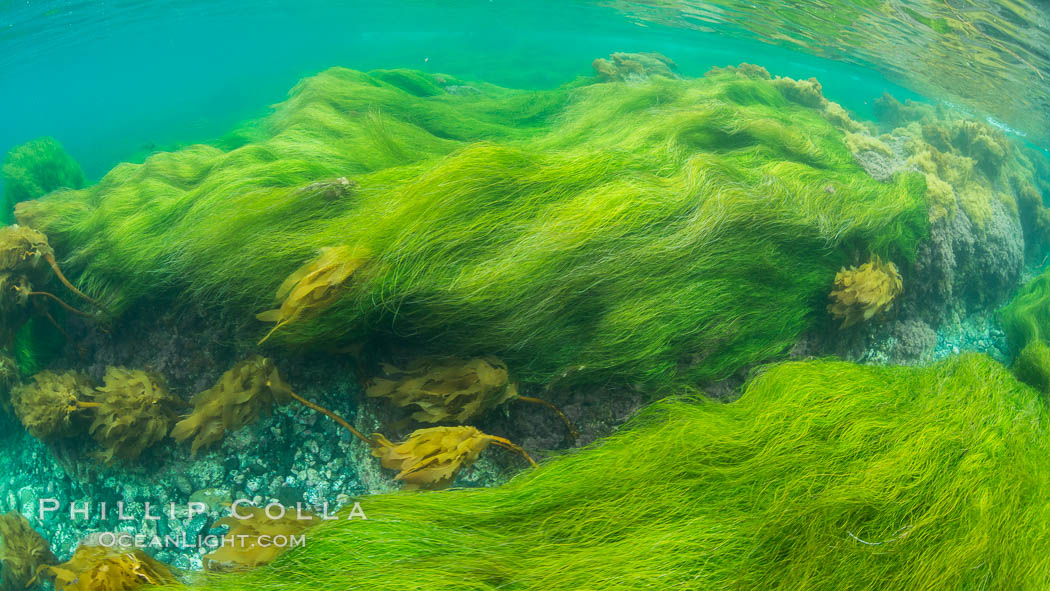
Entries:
{"x":524,"y":295}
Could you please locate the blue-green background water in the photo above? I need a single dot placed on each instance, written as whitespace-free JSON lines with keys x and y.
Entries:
{"x":113,"y":81}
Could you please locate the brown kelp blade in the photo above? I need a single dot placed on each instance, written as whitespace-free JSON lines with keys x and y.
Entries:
{"x":445,"y":389}
{"x":314,"y":286}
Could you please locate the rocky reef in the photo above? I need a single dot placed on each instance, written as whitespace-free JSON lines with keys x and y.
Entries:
{"x":392,"y":283}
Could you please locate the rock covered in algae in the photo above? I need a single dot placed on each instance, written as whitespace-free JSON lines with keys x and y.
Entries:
{"x":243,"y":394}
{"x":625,"y":67}
{"x":751,"y":71}
{"x":22,"y":552}
{"x":431,"y":458}
{"x":135,"y":411}
{"x":862,"y":292}
{"x":445,"y":389}
{"x":251,"y":524}
{"x":525,"y":227}
{"x":47,"y":405}
{"x":807,"y":92}
{"x":99,"y":568}
{"x":332,"y":190}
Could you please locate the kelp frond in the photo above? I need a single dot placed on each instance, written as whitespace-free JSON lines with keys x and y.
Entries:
{"x":447,"y":389}
{"x":431,"y":458}
{"x":247,"y":527}
{"x":314,"y":286}
{"x":242,"y":395}
{"x":135,"y":411}
{"x":21,"y":251}
{"x":48,"y":406}
{"x":442,"y":389}
{"x":863,"y":292}
{"x":23,"y":551}
{"x":99,"y":568}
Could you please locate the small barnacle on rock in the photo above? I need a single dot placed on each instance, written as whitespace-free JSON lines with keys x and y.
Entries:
{"x":99,"y":568}
{"x":251,"y":524}
{"x":314,"y":286}
{"x":431,"y":458}
{"x":862,"y":292}
{"x":23,"y":551}
{"x":241,"y":396}
{"x":48,"y":405}
{"x":135,"y":411}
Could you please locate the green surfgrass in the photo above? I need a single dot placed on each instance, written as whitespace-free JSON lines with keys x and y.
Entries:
{"x":824,"y":475}
{"x":648,"y":232}
{"x":1026,"y":318}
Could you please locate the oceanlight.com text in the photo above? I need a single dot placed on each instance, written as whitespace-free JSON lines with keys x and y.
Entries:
{"x":126,"y":540}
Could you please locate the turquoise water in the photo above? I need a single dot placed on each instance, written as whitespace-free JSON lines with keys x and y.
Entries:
{"x":113,"y":81}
